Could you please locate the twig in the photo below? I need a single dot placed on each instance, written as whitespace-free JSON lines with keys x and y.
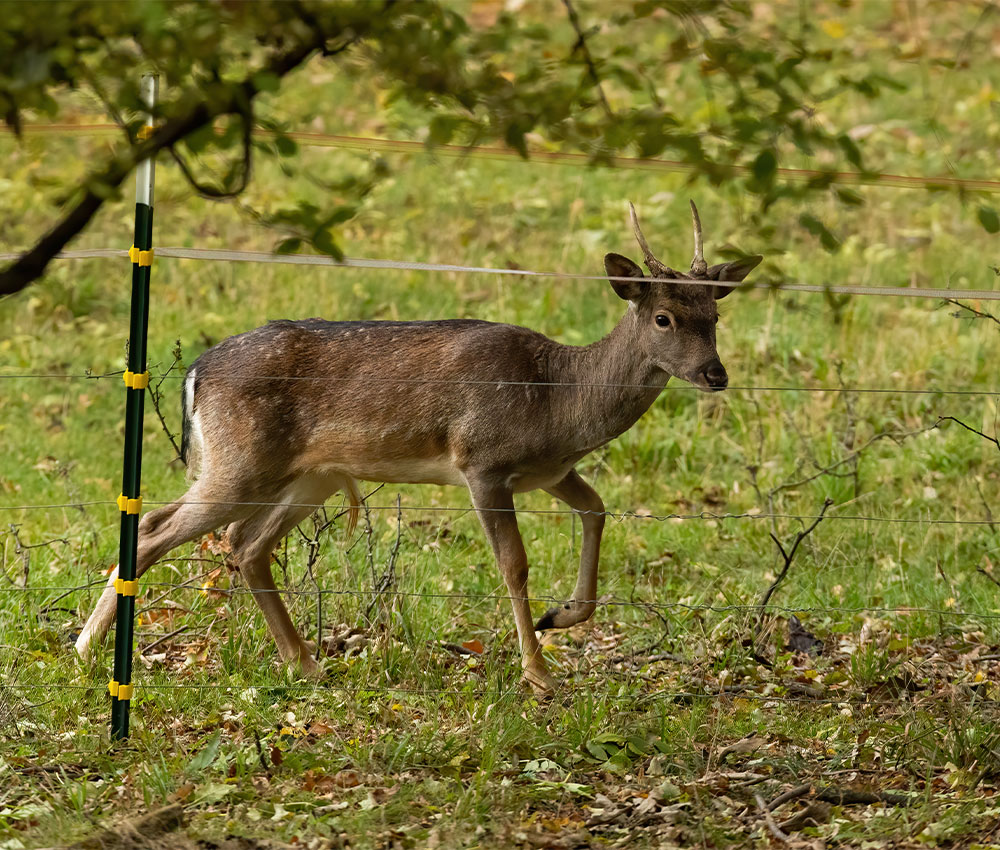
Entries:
{"x":993,"y":440}
{"x":991,"y":578}
{"x":896,"y":436}
{"x":789,"y":556}
{"x":581,"y":45}
{"x":789,"y":795}
{"x":388,"y":578}
{"x":163,"y":639}
{"x":977,"y":314}
{"x":152,"y":603}
{"x":771,"y":825}
{"x":24,"y":550}
{"x":260,"y":752}
{"x":839,"y":796}
{"x":312,"y":556}
{"x":986,"y":507}
{"x":852,"y":797}
{"x":155,"y":396}
{"x":76,"y":589}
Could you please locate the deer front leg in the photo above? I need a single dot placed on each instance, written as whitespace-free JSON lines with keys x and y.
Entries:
{"x":581,"y":497}
{"x":495,"y":506}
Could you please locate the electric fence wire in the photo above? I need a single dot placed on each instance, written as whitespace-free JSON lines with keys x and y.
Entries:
{"x":214,"y":255}
{"x":368,"y":144}
{"x":617,"y":516}
{"x":691,"y":607}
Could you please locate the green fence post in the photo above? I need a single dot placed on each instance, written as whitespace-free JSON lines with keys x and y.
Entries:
{"x":136,"y":381}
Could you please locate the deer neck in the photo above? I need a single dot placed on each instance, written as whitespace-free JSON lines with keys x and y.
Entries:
{"x":616,"y":384}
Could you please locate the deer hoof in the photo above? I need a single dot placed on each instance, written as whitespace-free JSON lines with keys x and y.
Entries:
{"x":306,"y":662}
{"x":563,"y":616}
{"x":542,"y":684}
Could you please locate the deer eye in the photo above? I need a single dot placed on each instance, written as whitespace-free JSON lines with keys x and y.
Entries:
{"x":662,"y":320}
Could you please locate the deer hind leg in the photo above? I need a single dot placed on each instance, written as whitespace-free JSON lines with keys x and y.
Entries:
{"x":254,"y":538}
{"x":196,"y":513}
{"x":581,"y":497}
{"x":496,"y":513}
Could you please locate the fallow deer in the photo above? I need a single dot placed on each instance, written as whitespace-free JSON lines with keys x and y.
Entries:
{"x":279,"y":418}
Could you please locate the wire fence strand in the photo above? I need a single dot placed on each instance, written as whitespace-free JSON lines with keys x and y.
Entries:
{"x":604,"y":602}
{"x":233,"y":375}
{"x":219,"y":255}
{"x":616,"y":515}
{"x":515,"y":691}
{"x":369,"y":144}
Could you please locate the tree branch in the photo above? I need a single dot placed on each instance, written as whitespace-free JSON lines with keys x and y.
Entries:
{"x":246,"y":162}
{"x":103,"y":183}
{"x":581,"y":45}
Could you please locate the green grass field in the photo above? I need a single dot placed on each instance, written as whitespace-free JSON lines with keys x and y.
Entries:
{"x":677,"y":709}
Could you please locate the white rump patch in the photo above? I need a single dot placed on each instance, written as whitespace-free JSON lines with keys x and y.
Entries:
{"x":196,"y":440}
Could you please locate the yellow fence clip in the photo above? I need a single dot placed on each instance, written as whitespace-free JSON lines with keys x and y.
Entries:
{"x":129,"y":506}
{"x":120,"y":691}
{"x":142,"y":258}
{"x":126,"y":588}
{"x":145,"y":131}
{"x":136,"y":380}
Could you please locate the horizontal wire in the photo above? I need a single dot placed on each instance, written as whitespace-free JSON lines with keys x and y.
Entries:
{"x":683,"y":387}
{"x":902,"y":610}
{"x":614,"y":515}
{"x":405,"y":146}
{"x":140,"y":686}
{"x":399,"y":265}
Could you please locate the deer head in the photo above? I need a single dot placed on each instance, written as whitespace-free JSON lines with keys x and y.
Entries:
{"x":674,"y":322}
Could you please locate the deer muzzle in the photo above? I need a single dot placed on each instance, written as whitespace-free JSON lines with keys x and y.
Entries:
{"x":711,"y":376}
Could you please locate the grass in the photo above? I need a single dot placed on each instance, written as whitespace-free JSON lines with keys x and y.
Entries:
{"x":408,"y":742}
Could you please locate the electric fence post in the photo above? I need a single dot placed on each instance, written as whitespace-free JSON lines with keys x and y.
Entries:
{"x":136,"y":381}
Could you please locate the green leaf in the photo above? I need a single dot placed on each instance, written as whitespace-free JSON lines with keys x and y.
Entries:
{"x":323,"y":242}
{"x":206,"y":756}
{"x":830,"y":242}
{"x":288,"y":246}
{"x":285,"y":145}
{"x":765,"y":165}
{"x":213,"y":792}
{"x":442,"y":129}
{"x":851,"y":151}
{"x":515,"y":138}
{"x":200,"y":139}
{"x":989,"y":219}
{"x":849,"y":197}
{"x":339,"y":216}
{"x":266,"y":81}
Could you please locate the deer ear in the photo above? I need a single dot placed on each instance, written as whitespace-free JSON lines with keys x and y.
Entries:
{"x":618,"y":266}
{"x":733,"y":271}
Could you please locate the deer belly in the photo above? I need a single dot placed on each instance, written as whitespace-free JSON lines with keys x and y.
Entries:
{"x":411,"y":470}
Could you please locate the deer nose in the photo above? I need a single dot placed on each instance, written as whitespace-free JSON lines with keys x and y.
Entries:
{"x":715,"y":375}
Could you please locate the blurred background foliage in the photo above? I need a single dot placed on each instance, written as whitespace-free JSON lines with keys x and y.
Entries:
{"x":734,"y":90}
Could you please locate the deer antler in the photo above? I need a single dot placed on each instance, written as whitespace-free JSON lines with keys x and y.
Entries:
{"x":654,"y":265}
{"x":698,"y":265}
